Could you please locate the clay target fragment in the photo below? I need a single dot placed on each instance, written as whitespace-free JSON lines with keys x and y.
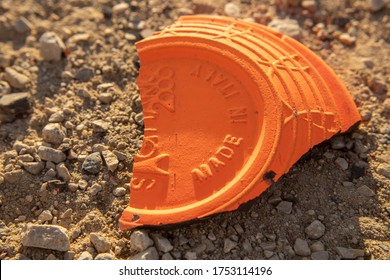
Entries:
{"x":229,"y":106}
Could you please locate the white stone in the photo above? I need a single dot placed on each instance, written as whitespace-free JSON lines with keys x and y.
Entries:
{"x":140,"y":240}
{"x":120,"y":191}
{"x":232,"y":10}
{"x":46,"y":237}
{"x":105,"y":97}
{"x":288,"y":27}
{"x":54,"y":133}
{"x":347,"y":39}
{"x":63,"y":172}
{"x":51,"y":46}
{"x":111,"y":160}
{"x":120,"y":8}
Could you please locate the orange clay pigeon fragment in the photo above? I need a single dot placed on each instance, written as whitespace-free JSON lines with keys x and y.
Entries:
{"x":229,"y":106}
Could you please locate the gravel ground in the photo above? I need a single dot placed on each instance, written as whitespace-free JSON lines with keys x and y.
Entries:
{"x":71,"y":122}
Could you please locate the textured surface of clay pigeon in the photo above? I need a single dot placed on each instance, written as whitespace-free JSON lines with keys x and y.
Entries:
{"x":229,"y":107}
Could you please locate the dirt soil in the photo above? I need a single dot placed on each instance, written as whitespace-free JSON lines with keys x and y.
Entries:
{"x":342,"y":185}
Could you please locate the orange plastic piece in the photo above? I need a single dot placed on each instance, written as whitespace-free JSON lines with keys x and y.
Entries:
{"x":229,"y":106}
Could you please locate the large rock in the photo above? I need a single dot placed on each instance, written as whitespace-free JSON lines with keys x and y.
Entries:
{"x":46,"y":237}
{"x":162,"y":243}
{"x":315,"y":230}
{"x":140,"y":240}
{"x":100,"y":126}
{"x":301,"y":247}
{"x":102,"y":244}
{"x":93,"y":163}
{"x":15,"y":103}
{"x":111,"y":160}
{"x":50,"y":154}
{"x":33,"y":167}
{"x":51,"y":46}
{"x":16,"y":79}
{"x":54,"y":133}
{"x":63,"y":172}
